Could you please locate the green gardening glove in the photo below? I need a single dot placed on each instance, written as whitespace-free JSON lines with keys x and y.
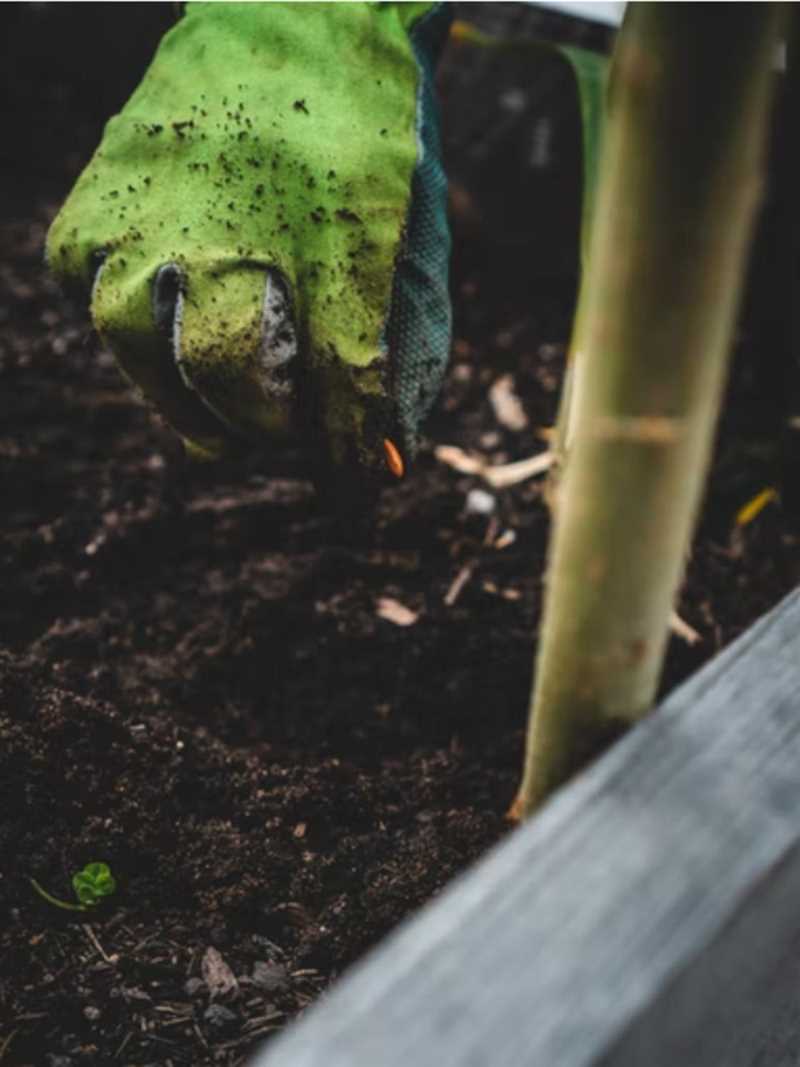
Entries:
{"x":263,"y":231}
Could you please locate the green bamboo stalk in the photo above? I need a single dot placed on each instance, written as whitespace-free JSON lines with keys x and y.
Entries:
{"x":680,"y":183}
{"x":591,"y":77}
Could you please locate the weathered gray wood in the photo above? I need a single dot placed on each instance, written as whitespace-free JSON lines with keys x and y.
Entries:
{"x":649,"y":916}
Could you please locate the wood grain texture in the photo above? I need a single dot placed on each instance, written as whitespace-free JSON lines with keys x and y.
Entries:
{"x":649,"y":916}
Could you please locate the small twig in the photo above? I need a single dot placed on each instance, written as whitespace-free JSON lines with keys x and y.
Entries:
{"x":251,"y":1034}
{"x":513,"y":473}
{"x":7,"y":1043}
{"x":499,"y":477}
{"x":459,"y":460}
{"x":393,"y":611}
{"x":458,"y":583}
{"x":125,"y":1041}
{"x":93,"y":938}
{"x":492,"y":530}
{"x":260,"y":1020}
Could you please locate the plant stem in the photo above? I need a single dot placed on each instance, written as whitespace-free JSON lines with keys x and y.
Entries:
{"x":680,"y":182}
{"x":54,"y":900}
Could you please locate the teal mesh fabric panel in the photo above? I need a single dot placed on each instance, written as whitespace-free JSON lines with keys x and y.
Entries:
{"x":417,"y":333}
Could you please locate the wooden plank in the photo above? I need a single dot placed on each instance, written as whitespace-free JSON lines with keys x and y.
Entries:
{"x":649,"y":916}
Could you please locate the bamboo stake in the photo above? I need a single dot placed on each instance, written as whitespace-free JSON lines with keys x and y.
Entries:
{"x":680,"y":182}
{"x":592,"y":92}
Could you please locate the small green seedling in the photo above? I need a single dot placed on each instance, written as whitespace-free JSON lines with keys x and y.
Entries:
{"x":91,"y":884}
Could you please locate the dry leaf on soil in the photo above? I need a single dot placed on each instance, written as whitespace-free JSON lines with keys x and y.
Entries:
{"x":217,"y":974}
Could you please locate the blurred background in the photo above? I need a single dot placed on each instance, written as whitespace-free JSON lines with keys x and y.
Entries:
{"x":64,"y":70}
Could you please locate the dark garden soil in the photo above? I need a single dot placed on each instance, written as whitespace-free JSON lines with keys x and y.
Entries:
{"x":198,"y":688}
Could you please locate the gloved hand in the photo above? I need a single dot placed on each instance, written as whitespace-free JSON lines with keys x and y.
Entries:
{"x":263,"y":230}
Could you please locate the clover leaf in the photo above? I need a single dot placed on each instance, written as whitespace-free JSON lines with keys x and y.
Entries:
{"x":91,"y":884}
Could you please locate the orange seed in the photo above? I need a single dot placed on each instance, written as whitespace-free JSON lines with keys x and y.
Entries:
{"x":394,"y":460}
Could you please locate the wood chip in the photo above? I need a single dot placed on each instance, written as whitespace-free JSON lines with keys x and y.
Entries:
{"x":508,"y":593}
{"x":506,"y":538}
{"x":393,"y":611}
{"x":216,"y":973}
{"x":682,"y":629}
{"x":506,"y":404}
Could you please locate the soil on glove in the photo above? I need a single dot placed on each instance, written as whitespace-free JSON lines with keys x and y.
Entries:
{"x":282,"y":740}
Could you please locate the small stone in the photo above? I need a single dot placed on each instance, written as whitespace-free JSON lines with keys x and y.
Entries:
{"x":220,"y":1018}
{"x":91,"y":1013}
{"x":271,"y":977}
{"x":479,"y":502}
{"x":53,"y":1059}
{"x":194,"y":986}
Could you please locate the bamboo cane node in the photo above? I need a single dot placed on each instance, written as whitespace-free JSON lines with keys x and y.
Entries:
{"x":683,"y":148}
{"x":640,"y":429}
